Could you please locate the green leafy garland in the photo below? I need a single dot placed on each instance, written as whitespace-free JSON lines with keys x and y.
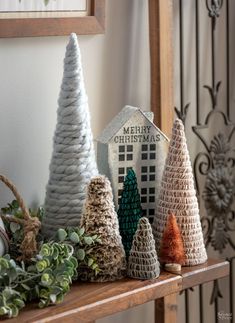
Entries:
{"x":48,"y":276}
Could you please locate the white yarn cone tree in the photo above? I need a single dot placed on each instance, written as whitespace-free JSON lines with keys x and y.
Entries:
{"x":73,"y":159}
{"x":177,"y":195}
{"x":143,"y":261}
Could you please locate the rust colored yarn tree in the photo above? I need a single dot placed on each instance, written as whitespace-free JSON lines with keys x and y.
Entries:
{"x":172,"y":248}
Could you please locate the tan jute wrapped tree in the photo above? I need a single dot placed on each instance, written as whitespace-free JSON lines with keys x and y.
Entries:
{"x":143,"y":261}
{"x":178,"y":195}
{"x":100,"y":218}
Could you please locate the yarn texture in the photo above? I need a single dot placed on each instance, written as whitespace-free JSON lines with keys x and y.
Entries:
{"x":100,"y":218}
{"x":143,"y":261}
{"x":178,"y":195}
{"x":130,"y":210}
{"x":73,"y":159}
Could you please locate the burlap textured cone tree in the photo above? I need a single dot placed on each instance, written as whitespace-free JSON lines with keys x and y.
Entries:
{"x":172,"y":248}
{"x":130,"y":210}
{"x":100,"y":218}
{"x":178,"y":195}
{"x":143,"y":261}
{"x":73,"y":159}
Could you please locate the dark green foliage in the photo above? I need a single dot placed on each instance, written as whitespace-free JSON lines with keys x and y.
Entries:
{"x":13,"y":208}
{"x":130,"y":210}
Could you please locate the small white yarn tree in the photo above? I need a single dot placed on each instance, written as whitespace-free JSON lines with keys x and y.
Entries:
{"x":143,"y":261}
{"x":178,"y":196}
{"x":73,"y":159}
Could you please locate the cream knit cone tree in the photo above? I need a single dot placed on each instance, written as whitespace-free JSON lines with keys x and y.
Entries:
{"x":73,"y":159}
{"x":143,"y":261}
{"x":178,"y":195}
{"x":99,"y":218}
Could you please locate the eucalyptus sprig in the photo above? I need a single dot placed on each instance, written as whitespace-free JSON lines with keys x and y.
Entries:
{"x":83,"y":247}
{"x":47,"y":278}
{"x":11,"y":301}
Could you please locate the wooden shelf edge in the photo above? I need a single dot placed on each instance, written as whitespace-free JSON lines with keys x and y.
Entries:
{"x":211,"y":270}
{"x":123,"y":301}
{"x":87,"y":302}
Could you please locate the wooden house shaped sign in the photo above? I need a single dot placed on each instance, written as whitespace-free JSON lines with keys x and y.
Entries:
{"x":132,"y":140}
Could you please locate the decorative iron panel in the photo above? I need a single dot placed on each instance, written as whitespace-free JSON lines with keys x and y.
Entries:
{"x":210,"y":127}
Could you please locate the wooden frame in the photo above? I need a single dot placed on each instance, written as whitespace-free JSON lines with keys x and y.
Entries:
{"x":161,"y":57}
{"x":27,"y":27}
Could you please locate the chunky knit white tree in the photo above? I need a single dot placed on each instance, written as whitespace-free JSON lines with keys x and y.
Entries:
{"x":73,"y":159}
{"x":178,"y":196}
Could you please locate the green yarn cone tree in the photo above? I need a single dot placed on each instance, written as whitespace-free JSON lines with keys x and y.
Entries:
{"x":130,"y":210}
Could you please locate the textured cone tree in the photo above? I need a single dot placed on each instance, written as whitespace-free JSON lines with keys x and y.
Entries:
{"x":178,"y":195}
{"x":172,"y":248}
{"x":130,"y":210}
{"x":73,"y":159}
{"x":143,"y":261}
{"x":99,"y":218}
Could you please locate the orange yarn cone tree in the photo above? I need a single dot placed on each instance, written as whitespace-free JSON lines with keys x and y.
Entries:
{"x":177,"y":195}
{"x":172,"y":248}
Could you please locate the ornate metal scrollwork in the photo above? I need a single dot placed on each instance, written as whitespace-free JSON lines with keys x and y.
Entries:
{"x":182,"y":114}
{"x":216,"y":163}
{"x":214,"y":7}
{"x":213,"y":91}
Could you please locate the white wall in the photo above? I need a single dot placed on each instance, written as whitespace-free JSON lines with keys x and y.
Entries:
{"x":116,"y":70}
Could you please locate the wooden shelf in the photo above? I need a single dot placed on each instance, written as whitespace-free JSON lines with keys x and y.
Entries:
{"x":87,"y":302}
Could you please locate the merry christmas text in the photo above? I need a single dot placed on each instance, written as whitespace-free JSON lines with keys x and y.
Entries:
{"x":136,"y":134}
